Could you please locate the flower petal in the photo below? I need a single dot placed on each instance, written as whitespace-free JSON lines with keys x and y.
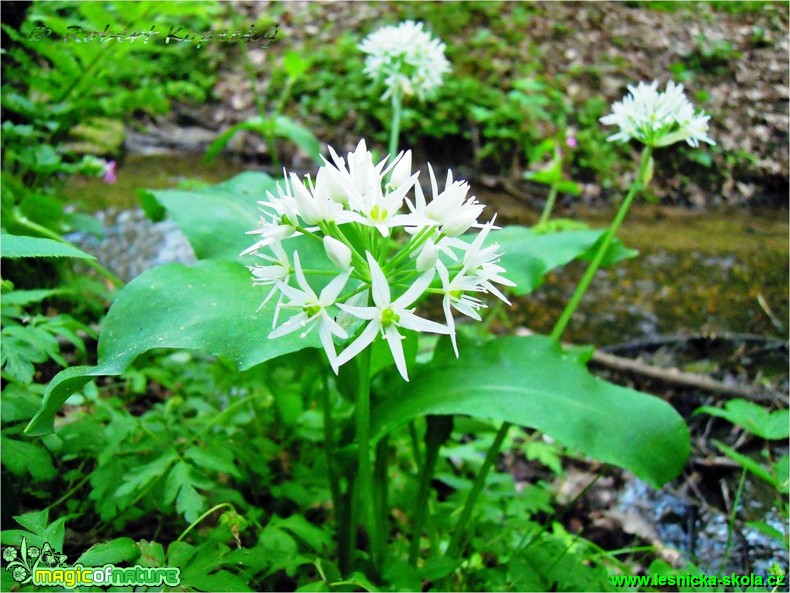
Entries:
{"x":363,"y":341}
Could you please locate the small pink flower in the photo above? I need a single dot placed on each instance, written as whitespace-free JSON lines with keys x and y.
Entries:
{"x":109,"y":173}
{"x":571,"y":141}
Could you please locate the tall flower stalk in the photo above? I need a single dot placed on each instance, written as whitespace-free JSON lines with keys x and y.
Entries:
{"x":386,"y":246}
{"x":408,"y":61}
{"x":655,"y":119}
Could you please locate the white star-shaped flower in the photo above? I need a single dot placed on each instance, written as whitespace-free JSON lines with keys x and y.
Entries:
{"x":386,"y":316}
{"x":313,"y":310}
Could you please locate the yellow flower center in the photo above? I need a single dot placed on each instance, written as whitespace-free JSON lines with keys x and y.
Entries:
{"x":388,"y":317}
{"x":378,"y":214}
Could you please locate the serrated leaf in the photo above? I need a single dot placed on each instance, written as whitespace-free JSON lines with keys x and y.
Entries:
{"x":753,"y":417}
{"x":180,"y":485}
{"x":28,"y":297}
{"x":313,"y":536}
{"x":22,"y":458}
{"x":19,"y":246}
{"x":531,"y":382}
{"x":216,"y":459}
{"x":123,"y":549}
{"x":141,"y":476}
{"x":39,"y":530}
{"x":222,"y":580}
{"x":151,"y":553}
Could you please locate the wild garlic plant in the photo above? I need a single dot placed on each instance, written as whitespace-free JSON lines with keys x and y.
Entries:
{"x":385,"y":244}
{"x":654,"y":119}
{"x":408,"y":61}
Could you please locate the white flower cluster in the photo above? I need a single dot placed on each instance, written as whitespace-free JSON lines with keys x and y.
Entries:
{"x":658,"y":119}
{"x":378,"y":243}
{"x":406,"y":58}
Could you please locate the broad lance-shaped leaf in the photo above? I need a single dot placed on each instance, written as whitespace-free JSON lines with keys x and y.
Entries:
{"x":211,"y":306}
{"x":529,"y":256}
{"x":530,"y":381}
{"x":215,"y":219}
{"x":18,"y":246}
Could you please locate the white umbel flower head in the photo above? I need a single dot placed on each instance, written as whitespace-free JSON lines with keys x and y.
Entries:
{"x":406,"y":58}
{"x":658,"y":118}
{"x":384,"y":242}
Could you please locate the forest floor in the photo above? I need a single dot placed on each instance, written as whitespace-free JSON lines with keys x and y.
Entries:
{"x":733,"y":63}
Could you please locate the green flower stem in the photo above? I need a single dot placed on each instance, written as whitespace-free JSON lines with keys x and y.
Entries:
{"x":365,"y":478}
{"x":333,"y":230}
{"x":92,"y":263}
{"x":415,"y":444}
{"x":381,"y":484}
{"x":197,"y":521}
{"x":414,"y":243}
{"x":544,"y":217}
{"x":586,"y":280}
{"x":334,"y":483}
{"x":260,"y":105}
{"x":560,"y":326}
{"x":477,"y":488}
{"x":438,"y":430}
{"x":397,"y":105}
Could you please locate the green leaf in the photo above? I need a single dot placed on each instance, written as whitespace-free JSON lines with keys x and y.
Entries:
{"x":123,"y":549}
{"x":527,"y":256}
{"x":216,"y":220}
{"x":530,"y":381}
{"x":28,"y":297}
{"x":217,"y":459}
{"x":210,"y":306}
{"x":255,"y":124}
{"x":316,"y":586}
{"x":747,"y":463}
{"x":782,"y":471}
{"x":753,"y":417}
{"x":565,"y":186}
{"x":151,"y":553}
{"x":180,"y":485}
{"x":18,"y":246}
{"x":221,"y":580}
{"x":285,"y":127}
{"x":38,"y":530}
{"x":22,"y":458}
{"x":141,"y":476}
{"x":313,"y":536}
{"x":294,"y":64}
{"x":766,"y":529}
{"x":358,"y":580}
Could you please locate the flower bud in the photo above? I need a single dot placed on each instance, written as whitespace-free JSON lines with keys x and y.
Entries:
{"x":306,"y":204}
{"x":428,"y":256}
{"x":402,"y":171}
{"x":327,"y":180}
{"x":338,"y":252}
